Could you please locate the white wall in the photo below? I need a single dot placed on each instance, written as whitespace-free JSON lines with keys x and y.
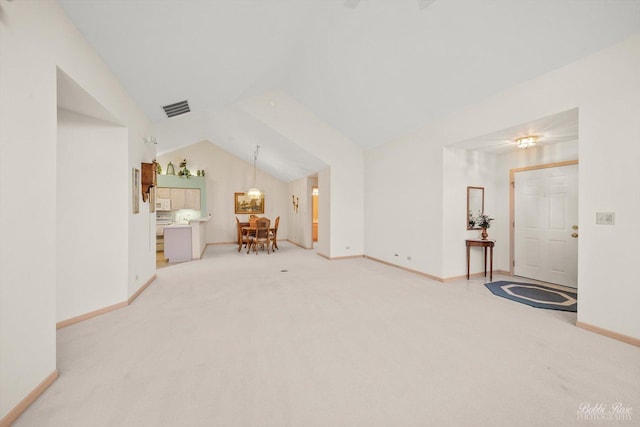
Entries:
{"x":92,"y":223}
{"x":346,"y":198}
{"x":35,"y":38}
{"x":300,"y":221}
{"x":403,"y":204}
{"x":225,"y":175}
{"x":464,"y":168}
{"x":606,"y":89}
{"x":324,"y":212}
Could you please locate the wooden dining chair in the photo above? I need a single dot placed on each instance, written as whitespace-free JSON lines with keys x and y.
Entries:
{"x":274,"y":235}
{"x":251,"y":224}
{"x":261,"y":236}
{"x":252,"y":221}
{"x":243,"y":238}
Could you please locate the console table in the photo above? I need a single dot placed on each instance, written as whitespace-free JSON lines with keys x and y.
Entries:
{"x":486,"y":244}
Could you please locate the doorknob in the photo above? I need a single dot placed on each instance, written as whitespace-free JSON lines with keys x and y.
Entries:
{"x":574,"y":235}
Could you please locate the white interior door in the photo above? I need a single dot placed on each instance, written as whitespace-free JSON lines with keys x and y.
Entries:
{"x":546,"y":225}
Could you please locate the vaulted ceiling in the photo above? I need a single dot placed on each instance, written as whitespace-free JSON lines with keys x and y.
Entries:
{"x":374,"y":70}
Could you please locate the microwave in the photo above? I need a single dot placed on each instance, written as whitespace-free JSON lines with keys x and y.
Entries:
{"x":163,"y":204}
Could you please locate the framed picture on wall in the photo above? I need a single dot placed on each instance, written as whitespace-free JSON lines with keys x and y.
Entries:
{"x":246,"y":205}
{"x":135,"y":190}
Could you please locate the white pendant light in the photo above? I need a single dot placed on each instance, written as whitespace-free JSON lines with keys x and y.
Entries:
{"x":255,"y":193}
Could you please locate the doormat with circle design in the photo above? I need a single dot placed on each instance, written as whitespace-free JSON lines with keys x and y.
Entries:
{"x":536,"y":295}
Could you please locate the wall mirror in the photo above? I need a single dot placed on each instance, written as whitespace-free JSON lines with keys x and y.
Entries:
{"x":475,"y":205}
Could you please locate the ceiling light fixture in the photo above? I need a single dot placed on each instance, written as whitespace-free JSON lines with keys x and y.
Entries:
{"x":254,"y":193}
{"x":526,"y":141}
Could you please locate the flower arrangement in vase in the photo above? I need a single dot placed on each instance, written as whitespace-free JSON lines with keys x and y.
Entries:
{"x":483,"y":221}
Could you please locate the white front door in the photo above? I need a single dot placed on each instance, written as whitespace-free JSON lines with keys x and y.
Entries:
{"x":546,"y":225}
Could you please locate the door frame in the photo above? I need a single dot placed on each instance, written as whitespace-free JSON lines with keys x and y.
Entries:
{"x":512,"y":177}
{"x":314,"y":187}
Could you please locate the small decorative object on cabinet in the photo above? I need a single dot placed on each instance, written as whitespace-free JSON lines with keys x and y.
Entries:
{"x":183,"y":169}
{"x":170,"y":169}
{"x":149,"y":172}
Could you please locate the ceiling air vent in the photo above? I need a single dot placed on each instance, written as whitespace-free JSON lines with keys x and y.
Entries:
{"x":176,"y":109}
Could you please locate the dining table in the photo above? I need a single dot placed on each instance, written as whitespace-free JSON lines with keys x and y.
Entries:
{"x":248,"y":230}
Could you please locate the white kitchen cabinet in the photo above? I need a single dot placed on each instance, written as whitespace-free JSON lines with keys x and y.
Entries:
{"x":178,"y":198}
{"x":181,"y":198}
{"x":192,"y":198}
{"x":185,"y":198}
{"x":184,"y":193}
{"x":163,"y":193}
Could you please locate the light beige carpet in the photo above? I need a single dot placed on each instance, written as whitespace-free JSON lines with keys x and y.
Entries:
{"x":232,"y":340}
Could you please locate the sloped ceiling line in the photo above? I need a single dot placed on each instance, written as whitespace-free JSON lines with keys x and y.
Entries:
{"x":373,"y":73}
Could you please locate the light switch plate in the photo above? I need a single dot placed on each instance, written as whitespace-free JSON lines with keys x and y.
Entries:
{"x":605,"y":218}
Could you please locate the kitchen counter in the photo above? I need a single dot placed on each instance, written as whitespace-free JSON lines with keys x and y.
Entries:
{"x":177,"y":226}
{"x":204,"y":219}
{"x":190,"y":222}
{"x":199,"y":235}
{"x":198,"y":231}
{"x":178,"y":243}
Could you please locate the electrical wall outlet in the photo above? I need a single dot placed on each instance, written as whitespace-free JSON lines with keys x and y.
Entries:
{"x":606,"y":218}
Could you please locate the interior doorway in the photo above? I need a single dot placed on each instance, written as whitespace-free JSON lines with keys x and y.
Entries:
{"x":544,"y":218}
{"x":314,"y":214}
